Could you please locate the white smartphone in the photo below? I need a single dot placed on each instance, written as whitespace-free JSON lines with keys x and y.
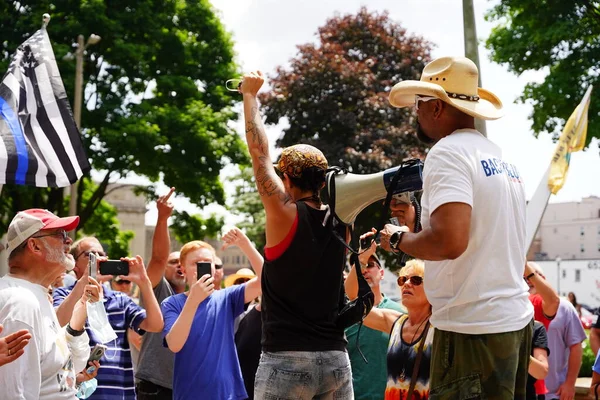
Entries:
{"x":92,"y":264}
{"x":403,"y":197}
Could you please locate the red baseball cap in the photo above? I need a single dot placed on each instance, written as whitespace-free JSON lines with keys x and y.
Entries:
{"x":28,"y":222}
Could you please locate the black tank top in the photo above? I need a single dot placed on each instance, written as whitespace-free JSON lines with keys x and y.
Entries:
{"x":301,"y":289}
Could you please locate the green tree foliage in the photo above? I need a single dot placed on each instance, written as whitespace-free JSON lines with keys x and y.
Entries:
{"x":561,"y":37}
{"x":155,"y":103}
{"x":188,"y":227}
{"x":247,"y":204}
{"x":335,"y":93}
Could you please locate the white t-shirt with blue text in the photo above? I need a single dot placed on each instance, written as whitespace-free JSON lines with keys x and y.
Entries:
{"x":207,"y":366}
{"x":483,"y":290}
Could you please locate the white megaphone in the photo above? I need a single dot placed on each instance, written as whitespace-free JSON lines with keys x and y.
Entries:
{"x":349,"y":194}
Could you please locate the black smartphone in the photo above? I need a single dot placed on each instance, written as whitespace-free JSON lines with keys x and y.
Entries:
{"x":114,"y":267}
{"x":203,"y":268}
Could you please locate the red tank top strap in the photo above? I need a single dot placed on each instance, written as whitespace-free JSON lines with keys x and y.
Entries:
{"x":273,"y":253}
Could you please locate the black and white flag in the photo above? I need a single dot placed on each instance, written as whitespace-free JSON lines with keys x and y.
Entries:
{"x":40,"y":144}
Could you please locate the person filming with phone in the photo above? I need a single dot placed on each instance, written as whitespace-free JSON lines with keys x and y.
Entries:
{"x":38,"y":248}
{"x":199,"y":328}
{"x":109,"y":324}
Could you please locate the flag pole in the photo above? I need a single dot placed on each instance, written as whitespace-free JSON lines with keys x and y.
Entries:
{"x":45,"y":20}
{"x":538,"y":203}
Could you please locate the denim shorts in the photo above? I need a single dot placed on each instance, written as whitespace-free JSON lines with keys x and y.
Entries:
{"x":300,"y":375}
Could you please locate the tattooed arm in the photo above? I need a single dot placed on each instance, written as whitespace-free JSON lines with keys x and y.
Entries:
{"x":279,"y":209}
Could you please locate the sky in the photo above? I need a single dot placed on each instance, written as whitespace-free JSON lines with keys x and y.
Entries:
{"x":266,"y":33}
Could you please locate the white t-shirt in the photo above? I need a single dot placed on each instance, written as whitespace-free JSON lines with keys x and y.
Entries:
{"x":483,"y":290}
{"x":47,"y":369}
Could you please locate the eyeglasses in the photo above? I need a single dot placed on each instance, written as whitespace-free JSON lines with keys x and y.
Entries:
{"x":61,"y":232}
{"x":88,"y":252}
{"x":218,"y":266}
{"x":372,"y":265}
{"x":123,"y":282}
{"x":423,"y":99}
{"x":414,"y":280}
{"x":239,"y":281}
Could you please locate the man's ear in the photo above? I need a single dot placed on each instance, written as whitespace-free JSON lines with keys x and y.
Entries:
{"x":438,"y":108}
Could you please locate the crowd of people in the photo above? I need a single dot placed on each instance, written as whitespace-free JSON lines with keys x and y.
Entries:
{"x":475,"y":320}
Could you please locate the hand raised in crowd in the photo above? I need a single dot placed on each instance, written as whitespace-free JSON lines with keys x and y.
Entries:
{"x":137,"y":271}
{"x":86,"y":279}
{"x":405,"y":213}
{"x":91,"y":291}
{"x":365,"y":254}
{"x":251,"y":83}
{"x":201,"y":289}
{"x":235,"y":237}
{"x":164,"y":206}
{"x":12,"y":346}
{"x":89,"y":372}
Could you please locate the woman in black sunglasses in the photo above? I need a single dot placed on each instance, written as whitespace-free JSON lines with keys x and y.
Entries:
{"x":410,"y":334}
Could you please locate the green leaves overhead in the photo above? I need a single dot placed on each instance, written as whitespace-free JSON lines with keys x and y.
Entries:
{"x":560,"y":37}
{"x":154,"y":102}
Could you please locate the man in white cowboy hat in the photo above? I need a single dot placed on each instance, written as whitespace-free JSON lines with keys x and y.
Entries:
{"x":473,"y":238}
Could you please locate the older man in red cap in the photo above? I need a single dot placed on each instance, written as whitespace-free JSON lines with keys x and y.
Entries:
{"x":302,"y":278}
{"x":38,"y":247}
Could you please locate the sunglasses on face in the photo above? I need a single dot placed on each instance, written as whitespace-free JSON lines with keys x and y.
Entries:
{"x":123,"y":282}
{"x":414,"y":280}
{"x":62,"y":233}
{"x":423,"y":99}
{"x":88,"y":252}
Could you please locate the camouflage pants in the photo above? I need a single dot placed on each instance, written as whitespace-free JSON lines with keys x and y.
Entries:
{"x":492,"y":366}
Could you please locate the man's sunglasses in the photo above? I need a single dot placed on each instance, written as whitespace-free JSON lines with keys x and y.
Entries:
{"x":423,"y":99}
{"x":123,"y":282}
{"x":61,"y":233}
{"x":414,"y":280}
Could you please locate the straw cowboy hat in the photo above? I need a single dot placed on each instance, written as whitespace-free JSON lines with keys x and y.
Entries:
{"x":453,"y":80}
{"x":242,"y":273}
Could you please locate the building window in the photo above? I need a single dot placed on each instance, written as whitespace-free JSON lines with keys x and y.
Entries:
{"x":577,"y":275}
{"x":556,"y":230}
{"x":582,"y":248}
{"x":564,"y":273}
{"x":582,"y":231}
{"x":598,"y":229}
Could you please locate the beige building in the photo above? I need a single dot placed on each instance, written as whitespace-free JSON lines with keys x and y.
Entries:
{"x":131,"y":213}
{"x":570,"y":231}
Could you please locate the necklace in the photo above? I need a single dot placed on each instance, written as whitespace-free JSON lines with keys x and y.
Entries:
{"x":419,"y":327}
{"x":403,"y":373}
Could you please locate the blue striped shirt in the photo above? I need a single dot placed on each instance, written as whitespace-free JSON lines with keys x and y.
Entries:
{"x":115,"y":377}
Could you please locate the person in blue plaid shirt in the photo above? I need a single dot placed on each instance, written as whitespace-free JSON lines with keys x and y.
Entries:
{"x":115,"y":377}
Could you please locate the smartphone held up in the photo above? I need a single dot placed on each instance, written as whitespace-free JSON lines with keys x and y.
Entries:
{"x":203,"y":268}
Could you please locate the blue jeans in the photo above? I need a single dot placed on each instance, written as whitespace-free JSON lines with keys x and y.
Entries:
{"x":300,"y":375}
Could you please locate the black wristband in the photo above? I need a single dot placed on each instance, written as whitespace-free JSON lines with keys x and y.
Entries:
{"x":73,"y":332}
{"x":531,"y":275}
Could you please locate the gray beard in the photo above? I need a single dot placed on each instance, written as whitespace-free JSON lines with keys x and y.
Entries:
{"x":57,"y":256}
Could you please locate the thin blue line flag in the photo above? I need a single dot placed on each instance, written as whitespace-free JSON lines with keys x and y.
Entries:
{"x":40,"y":144}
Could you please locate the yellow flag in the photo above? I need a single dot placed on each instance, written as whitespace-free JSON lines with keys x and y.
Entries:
{"x":572,"y":139}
